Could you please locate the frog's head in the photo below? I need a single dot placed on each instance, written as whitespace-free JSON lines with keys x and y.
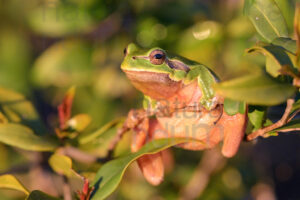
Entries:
{"x":155,"y":72}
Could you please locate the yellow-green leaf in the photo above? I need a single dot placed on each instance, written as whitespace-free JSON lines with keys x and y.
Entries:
{"x":276,"y":57}
{"x":10,"y":182}
{"x":232,"y":107}
{"x":83,"y":139}
{"x":266,"y":18}
{"x":287,"y":43}
{"x":256,"y":115}
{"x":109,"y":176}
{"x":61,"y":164}
{"x":17,"y":108}
{"x":79,"y":122}
{"x":64,"y":64}
{"x":22,"y":137}
{"x":258,"y":89}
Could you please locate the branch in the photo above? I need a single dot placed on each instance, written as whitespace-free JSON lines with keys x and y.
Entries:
{"x":211,"y":161}
{"x":82,"y":156}
{"x":285,"y":118}
{"x":66,"y":189}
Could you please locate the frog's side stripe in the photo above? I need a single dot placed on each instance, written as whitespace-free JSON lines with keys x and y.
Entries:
{"x":205,"y":80}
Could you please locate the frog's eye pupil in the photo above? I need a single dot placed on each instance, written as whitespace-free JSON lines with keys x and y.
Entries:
{"x":158,"y":56}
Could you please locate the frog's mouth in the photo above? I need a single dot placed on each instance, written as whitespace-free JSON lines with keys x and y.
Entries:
{"x":156,"y":85}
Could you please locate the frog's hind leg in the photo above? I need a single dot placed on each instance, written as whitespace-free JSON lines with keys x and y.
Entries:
{"x":151,"y":165}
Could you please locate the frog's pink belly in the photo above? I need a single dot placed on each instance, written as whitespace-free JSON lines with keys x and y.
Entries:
{"x":194,"y":125}
{"x":208,"y":128}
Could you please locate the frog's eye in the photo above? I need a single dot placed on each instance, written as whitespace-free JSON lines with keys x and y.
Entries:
{"x":125,"y":51}
{"x":157,"y":57}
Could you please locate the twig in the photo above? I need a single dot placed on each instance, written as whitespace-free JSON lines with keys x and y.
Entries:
{"x":285,"y":118}
{"x":115,"y":141}
{"x":81,"y":156}
{"x":66,"y":189}
{"x":211,"y":161}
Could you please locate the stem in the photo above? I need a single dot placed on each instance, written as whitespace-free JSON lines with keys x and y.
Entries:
{"x":66,"y":189}
{"x":211,"y":161}
{"x":81,"y":156}
{"x":285,"y":118}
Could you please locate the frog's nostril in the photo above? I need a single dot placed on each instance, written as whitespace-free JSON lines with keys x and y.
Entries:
{"x":133,"y":57}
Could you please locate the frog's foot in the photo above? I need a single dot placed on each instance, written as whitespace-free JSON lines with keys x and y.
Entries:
{"x":233,"y":128}
{"x":152,"y":165}
{"x":134,"y":118}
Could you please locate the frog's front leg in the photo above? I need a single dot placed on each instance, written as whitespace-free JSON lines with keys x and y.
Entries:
{"x":151,"y":165}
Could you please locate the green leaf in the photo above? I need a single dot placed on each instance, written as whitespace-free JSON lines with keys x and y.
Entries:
{"x":287,"y":8}
{"x":276,"y":57}
{"x":59,"y":20}
{"x":109,"y":176}
{"x":17,"y":107}
{"x":22,"y":137}
{"x":266,"y":18}
{"x":79,"y":122}
{"x":10,"y":182}
{"x":287,"y":43}
{"x":61,"y":164}
{"x":293,"y":125}
{"x":259,"y":89}
{"x":64,"y":64}
{"x":256,"y":115}
{"x":232,"y":107}
{"x":38,"y":195}
{"x":83,"y":139}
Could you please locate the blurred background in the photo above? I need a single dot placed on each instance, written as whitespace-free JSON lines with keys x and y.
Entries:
{"x":47,"y":46}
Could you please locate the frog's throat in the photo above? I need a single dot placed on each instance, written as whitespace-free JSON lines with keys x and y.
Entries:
{"x":155,"y":85}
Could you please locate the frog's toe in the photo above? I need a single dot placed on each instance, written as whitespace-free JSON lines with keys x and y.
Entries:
{"x":152,"y":168}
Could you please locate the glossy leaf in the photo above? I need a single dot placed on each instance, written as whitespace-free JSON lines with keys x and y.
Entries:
{"x":109,"y":176}
{"x":61,"y":164}
{"x":18,"y":109}
{"x":287,"y":43}
{"x":38,"y":195}
{"x":276,"y":57}
{"x":259,"y":89}
{"x":287,"y":9}
{"x":79,"y":122}
{"x":10,"y":182}
{"x":22,"y":137}
{"x":266,"y":18}
{"x":232,"y":107}
{"x":83,"y":139}
{"x":256,"y":115}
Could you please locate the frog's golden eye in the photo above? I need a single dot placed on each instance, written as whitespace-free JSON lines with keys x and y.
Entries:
{"x":157,"y":57}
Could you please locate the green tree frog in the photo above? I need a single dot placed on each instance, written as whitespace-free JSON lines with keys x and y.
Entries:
{"x":179,"y":102}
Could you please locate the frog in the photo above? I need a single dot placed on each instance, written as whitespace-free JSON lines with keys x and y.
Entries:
{"x":179,"y":102}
